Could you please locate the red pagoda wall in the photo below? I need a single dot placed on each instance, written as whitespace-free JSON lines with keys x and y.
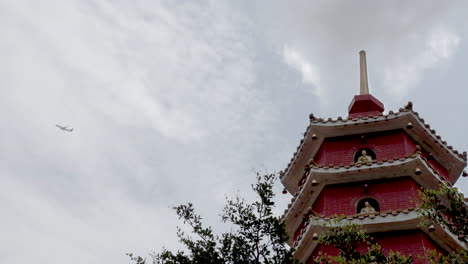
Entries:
{"x":392,"y":194}
{"x":386,"y":145}
{"x":411,"y":242}
{"x":341,"y":199}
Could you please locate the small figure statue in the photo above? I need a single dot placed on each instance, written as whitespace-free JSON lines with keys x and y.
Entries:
{"x":367,"y":209}
{"x":364,"y":158}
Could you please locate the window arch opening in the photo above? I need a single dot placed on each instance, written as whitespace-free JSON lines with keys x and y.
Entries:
{"x":364,"y":155}
{"x":367,"y":206}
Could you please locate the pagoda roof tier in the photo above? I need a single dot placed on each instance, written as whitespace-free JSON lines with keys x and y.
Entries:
{"x":413,"y":166}
{"x":407,"y":219}
{"x":405,"y":119}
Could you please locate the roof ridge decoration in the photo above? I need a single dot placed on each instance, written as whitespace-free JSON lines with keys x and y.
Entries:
{"x":366,"y":215}
{"x":407,"y":108}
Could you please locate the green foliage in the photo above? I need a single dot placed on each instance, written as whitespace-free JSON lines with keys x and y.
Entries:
{"x":347,"y":238}
{"x":454,"y":258}
{"x":258,"y":237}
{"x":446,"y":206}
{"x":137,"y":259}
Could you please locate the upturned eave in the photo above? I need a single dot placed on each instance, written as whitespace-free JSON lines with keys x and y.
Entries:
{"x":413,"y":166}
{"x":408,"y":219}
{"x":406,"y":119}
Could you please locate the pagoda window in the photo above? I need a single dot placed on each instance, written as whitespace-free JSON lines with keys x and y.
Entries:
{"x":364,"y":155}
{"x":367,"y":205}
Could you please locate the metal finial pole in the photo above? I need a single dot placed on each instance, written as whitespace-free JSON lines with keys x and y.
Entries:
{"x":364,"y":88}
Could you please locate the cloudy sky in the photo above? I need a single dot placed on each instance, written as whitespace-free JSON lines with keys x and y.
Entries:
{"x":176,"y":101}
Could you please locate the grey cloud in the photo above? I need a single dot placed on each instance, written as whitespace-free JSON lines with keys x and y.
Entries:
{"x":396,"y":34}
{"x":180,"y":101}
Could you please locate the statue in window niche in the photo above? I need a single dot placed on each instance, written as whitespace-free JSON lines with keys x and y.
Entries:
{"x":367,"y":209}
{"x":364,"y":158}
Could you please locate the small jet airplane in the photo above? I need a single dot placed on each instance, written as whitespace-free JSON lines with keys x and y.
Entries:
{"x":65,"y":128}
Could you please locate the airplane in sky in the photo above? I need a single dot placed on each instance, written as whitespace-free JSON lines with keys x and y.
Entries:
{"x":65,"y":128}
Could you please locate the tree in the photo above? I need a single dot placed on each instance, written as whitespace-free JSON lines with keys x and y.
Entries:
{"x":448,"y":208}
{"x":348,"y":238}
{"x":257,"y":237}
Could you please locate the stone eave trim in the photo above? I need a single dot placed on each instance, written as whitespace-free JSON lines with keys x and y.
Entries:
{"x":393,"y":120}
{"x":305,"y":197}
{"x":407,"y":219}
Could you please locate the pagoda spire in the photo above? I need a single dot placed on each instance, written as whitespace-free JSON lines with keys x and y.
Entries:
{"x":364,"y":104}
{"x":364,"y":87}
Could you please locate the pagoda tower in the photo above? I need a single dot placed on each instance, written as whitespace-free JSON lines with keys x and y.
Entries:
{"x":369,"y":167}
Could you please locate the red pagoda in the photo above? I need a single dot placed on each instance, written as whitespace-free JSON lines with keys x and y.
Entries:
{"x":369,"y":168}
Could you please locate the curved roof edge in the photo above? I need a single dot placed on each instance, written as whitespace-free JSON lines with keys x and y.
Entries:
{"x":405,"y":219}
{"x":405,"y":118}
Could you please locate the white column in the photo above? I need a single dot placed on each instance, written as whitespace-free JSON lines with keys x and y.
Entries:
{"x":364,"y":88}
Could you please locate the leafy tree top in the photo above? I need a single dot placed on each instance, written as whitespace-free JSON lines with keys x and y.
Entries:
{"x":256,"y":237}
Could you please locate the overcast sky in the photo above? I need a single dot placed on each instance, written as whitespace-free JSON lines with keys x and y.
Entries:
{"x":176,"y":101}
